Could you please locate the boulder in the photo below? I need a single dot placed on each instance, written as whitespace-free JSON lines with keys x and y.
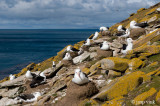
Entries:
{"x":91,"y":102}
{"x":93,"y":49}
{"x":11,"y":92}
{"x":93,"y":55}
{"x":113,"y":74}
{"x":114,"y":63}
{"x":81,"y":58}
{"x":104,"y":53}
{"x":136,"y":33}
{"x":13,"y":83}
{"x":144,"y":96}
{"x":106,"y":33}
{"x":116,"y":44}
{"x":135,"y":63}
{"x":6,"y":101}
{"x":76,"y":93}
{"x":121,"y":86}
{"x":67,"y":62}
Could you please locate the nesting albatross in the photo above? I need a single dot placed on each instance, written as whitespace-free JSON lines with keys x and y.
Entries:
{"x":79,"y":77}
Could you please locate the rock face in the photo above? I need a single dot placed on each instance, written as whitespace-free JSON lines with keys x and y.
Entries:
{"x":114,"y":63}
{"x":6,"y":101}
{"x":136,"y":33}
{"x":121,"y":87}
{"x":103,"y":53}
{"x":144,"y":96}
{"x":81,"y":58}
{"x":76,"y":93}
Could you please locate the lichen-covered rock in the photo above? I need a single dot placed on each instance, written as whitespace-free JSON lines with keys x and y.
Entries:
{"x":136,"y":33}
{"x":113,"y":74}
{"x":146,"y":50}
{"x":115,"y":102}
{"x":86,"y":70}
{"x":121,"y":87}
{"x":144,"y":96}
{"x":95,"y":66}
{"x":135,"y":63}
{"x":114,"y":63}
{"x":158,"y":98}
{"x":154,"y":36}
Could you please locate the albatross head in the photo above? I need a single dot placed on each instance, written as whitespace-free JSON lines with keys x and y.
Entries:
{"x":132,"y":23}
{"x":68,"y":48}
{"x":129,"y":40}
{"x":77,"y":72}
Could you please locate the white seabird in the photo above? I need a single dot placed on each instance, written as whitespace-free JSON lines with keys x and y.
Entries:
{"x":127,"y":33}
{"x":53,"y":64}
{"x":72,"y":49}
{"x":28,"y":97}
{"x":134,"y":24}
{"x":30,"y":75}
{"x":39,"y":79}
{"x":88,"y":42}
{"x":121,"y":28}
{"x":95,"y":36}
{"x":79,"y":77}
{"x":105,"y":45}
{"x":12,"y":77}
{"x":103,"y":28}
{"x":129,"y":46}
{"x":80,"y":51}
{"x":67,"y":57}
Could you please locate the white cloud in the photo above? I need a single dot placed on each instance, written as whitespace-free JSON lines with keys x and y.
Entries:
{"x":70,"y":13}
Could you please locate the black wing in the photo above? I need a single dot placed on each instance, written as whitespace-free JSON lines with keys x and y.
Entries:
{"x":142,"y":25}
{"x":124,"y":47}
{"x":101,"y":45}
{"x":26,"y":96}
{"x":34,"y":75}
{"x":74,"y":49}
{"x":157,"y":26}
{"x":36,"y":81}
{"x":120,"y":33}
{"x":124,"y":28}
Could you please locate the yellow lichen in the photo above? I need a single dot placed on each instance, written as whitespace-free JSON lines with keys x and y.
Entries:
{"x":86,"y":70}
{"x":146,"y":38}
{"x":153,"y":64}
{"x":144,"y":96}
{"x":151,"y":11}
{"x":153,"y":72}
{"x":124,"y":85}
{"x":135,"y":63}
{"x":158,"y":98}
{"x":141,"y":9}
{"x":114,"y":63}
{"x":115,"y":102}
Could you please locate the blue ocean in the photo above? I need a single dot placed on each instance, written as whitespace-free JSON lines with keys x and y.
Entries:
{"x":19,"y":47}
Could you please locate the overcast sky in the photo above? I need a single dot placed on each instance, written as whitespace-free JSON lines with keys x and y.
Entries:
{"x":55,"y":14}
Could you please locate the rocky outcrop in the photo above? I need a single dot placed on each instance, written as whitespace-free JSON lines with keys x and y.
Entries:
{"x":144,"y":96}
{"x":114,"y":63}
{"x":121,"y":86}
{"x":75,"y":94}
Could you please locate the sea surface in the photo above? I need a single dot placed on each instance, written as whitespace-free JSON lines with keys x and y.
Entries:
{"x":19,"y":47}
